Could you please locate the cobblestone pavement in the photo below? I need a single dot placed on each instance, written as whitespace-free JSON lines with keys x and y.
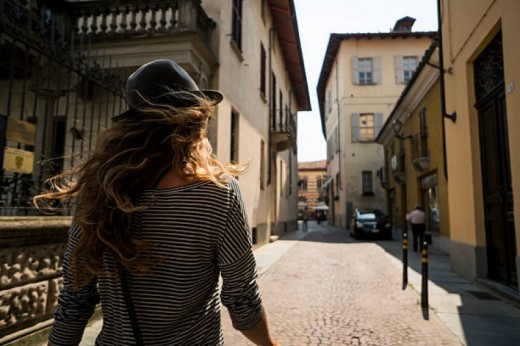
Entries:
{"x":332,"y":290}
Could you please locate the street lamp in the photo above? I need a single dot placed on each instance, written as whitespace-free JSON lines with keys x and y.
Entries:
{"x":396,"y":125}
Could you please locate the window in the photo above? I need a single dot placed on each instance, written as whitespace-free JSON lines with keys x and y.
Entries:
{"x":262,"y":10}
{"x":233,"y":153}
{"x":405,"y":67}
{"x":430,"y":198}
{"x":319,"y":183}
{"x":290,"y":173}
{"x":273,"y":101}
{"x":302,"y":183}
{"x":236,"y":30}
{"x":366,"y":71}
{"x":262,"y":164}
{"x":280,"y":110}
{"x":263,"y":58}
{"x":366,"y":183}
{"x":424,"y":132}
{"x":409,"y":66}
{"x":365,"y":126}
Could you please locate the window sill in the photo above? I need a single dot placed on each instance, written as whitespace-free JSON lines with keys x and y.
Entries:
{"x":236,"y":49}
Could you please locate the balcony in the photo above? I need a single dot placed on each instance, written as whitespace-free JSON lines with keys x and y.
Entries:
{"x":398,"y":168}
{"x":420,"y":152}
{"x":283,"y":132}
{"x":135,"y":32}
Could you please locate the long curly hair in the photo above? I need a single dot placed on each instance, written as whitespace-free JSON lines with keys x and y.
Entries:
{"x":126,"y":159}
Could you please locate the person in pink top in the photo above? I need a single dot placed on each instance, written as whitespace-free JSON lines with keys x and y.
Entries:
{"x":417,"y":218}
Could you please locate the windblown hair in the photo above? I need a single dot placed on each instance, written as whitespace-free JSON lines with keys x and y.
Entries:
{"x":129,"y":156}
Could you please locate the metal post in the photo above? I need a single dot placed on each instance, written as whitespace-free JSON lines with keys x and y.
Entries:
{"x":405,"y":260}
{"x":424,"y":286}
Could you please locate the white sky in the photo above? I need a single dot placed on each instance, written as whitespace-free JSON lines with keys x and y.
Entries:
{"x":317,"y":19}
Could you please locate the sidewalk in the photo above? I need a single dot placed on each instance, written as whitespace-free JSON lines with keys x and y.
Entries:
{"x":473,"y":314}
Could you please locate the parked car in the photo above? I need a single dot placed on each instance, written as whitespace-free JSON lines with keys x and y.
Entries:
{"x":370,"y":223}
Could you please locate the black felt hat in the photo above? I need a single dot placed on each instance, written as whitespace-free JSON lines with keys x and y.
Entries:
{"x":163,"y":81}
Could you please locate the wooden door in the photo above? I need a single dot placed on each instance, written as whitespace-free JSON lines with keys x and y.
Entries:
{"x":495,"y":163}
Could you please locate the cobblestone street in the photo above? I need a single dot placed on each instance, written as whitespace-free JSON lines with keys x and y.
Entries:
{"x":329,"y":289}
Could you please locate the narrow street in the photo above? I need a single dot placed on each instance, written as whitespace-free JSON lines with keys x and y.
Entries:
{"x":330,"y":289}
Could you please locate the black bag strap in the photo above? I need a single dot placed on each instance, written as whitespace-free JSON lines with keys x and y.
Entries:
{"x":131,"y":311}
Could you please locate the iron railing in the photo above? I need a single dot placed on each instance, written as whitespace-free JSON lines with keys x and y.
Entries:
{"x":54,"y":83}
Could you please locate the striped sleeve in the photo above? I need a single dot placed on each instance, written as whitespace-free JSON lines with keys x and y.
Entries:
{"x":240,"y":293}
{"x":75,"y":307}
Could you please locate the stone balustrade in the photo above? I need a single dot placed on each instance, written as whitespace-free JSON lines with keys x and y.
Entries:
{"x":31,"y":251}
{"x":130,"y":18}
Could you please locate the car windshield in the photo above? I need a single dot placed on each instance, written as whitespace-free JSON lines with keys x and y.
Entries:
{"x":366,"y":215}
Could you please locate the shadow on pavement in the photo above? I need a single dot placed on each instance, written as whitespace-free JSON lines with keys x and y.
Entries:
{"x":475,"y":315}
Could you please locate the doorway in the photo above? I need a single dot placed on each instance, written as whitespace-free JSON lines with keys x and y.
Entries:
{"x":495,"y":163}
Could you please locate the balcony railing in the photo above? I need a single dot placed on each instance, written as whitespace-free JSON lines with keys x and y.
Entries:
{"x":101,"y":19}
{"x":283,"y":132}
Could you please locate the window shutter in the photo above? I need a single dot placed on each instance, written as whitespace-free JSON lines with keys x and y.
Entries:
{"x":354,"y":128}
{"x":398,"y":63}
{"x":378,"y":79}
{"x":379,"y":123}
{"x":355,"y":70}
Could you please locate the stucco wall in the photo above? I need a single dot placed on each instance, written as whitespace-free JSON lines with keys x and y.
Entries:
{"x":467,"y":31}
{"x":351,"y":98}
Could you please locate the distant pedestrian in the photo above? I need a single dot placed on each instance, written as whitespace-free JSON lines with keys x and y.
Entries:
{"x":305,"y":218}
{"x":318,"y":216}
{"x":417,"y":219}
{"x":157,"y":221}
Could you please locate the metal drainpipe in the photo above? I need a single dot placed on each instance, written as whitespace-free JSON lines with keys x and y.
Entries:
{"x":453,"y":116}
{"x":339,"y":129}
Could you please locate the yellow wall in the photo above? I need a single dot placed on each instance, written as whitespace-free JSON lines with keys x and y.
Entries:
{"x":468,"y":26}
{"x":411,"y":125}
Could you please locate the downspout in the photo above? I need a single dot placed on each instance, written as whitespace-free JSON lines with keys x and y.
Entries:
{"x":339,"y":128}
{"x":269,"y":49}
{"x":453,"y":116}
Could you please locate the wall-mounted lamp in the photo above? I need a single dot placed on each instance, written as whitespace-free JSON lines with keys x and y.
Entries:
{"x":76,"y":134}
{"x":397,"y":130}
{"x":452,"y":116}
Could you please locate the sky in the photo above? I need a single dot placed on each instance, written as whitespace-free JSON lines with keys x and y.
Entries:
{"x":317,"y":19}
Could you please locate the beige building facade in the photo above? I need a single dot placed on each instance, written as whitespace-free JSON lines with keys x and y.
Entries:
{"x":262,"y":77}
{"x":311,"y":180}
{"x":361,"y":78}
{"x":481,"y":55}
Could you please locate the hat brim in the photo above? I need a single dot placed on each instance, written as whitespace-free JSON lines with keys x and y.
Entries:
{"x":212,"y":96}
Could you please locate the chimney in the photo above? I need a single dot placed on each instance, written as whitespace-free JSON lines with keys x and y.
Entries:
{"x":404,"y":24}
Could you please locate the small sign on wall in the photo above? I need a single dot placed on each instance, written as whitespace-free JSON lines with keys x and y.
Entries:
{"x":20,"y":131}
{"x":18,"y":160}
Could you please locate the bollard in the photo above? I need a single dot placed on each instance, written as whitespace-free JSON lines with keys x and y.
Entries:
{"x":405,"y":260}
{"x":424,"y":286}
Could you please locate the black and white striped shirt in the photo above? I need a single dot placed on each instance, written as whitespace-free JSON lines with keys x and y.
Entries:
{"x":200,"y":231}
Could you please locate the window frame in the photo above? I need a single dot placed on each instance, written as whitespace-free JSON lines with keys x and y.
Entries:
{"x":363,"y":78}
{"x":361,"y":128}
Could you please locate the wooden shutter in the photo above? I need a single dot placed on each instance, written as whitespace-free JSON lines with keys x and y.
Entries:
{"x":378,"y":123}
{"x":398,"y":64}
{"x":378,"y":78}
{"x":354,"y":127}
{"x":355,"y":70}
